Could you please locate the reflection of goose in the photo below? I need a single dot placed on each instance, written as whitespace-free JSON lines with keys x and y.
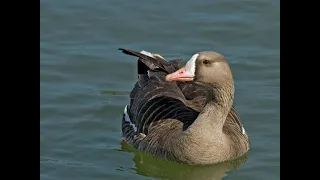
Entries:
{"x":149,"y":166}
{"x":184,"y":115}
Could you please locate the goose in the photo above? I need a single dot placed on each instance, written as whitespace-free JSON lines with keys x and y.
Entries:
{"x":184,"y":114}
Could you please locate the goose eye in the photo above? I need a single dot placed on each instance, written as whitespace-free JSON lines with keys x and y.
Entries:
{"x":206,"y":62}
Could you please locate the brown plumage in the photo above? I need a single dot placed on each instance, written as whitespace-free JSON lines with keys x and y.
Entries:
{"x":184,"y":115}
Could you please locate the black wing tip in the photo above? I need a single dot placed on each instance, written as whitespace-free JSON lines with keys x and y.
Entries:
{"x":151,"y":62}
{"x":123,"y":50}
{"x":129,"y":52}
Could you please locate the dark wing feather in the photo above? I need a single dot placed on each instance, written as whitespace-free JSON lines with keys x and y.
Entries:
{"x":147,"y":104}
{"x":150,"y":63}
{"x":153,"y":98}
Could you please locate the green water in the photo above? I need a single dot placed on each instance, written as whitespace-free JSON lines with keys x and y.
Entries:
{"x":85,"y":82}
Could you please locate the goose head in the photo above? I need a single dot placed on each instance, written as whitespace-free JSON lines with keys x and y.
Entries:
{"x":207,"y":67}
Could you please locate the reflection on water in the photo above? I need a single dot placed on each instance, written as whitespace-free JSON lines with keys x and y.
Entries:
{"x":150,"y":166}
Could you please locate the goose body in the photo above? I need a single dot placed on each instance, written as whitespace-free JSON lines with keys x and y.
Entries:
{"x":184,"y":114}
